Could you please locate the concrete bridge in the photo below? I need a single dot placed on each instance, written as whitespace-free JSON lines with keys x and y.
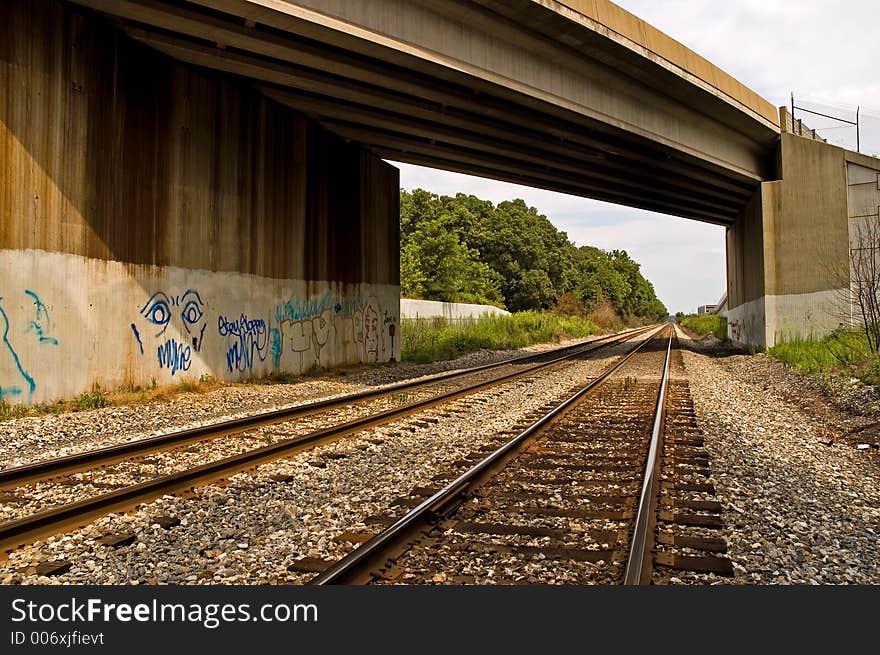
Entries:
{"x":198,"y":188}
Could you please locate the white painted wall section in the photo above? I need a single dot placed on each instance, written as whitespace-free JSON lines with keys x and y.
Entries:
{"x":410,"y":308}
{"x":68,"y":322}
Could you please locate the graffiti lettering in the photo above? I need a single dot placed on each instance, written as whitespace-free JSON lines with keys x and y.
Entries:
{"x":309,"y":337}
{"x":294,"y":309}
{"x":251,"y":340}
{"x":174,"y":355}
{"x":276,"y":347}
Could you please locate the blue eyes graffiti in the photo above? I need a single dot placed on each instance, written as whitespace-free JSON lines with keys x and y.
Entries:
{"x":191,"y":314}
{"x":158,"y":311}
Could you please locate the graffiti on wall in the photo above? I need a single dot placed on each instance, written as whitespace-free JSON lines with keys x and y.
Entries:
{"x":310,"y":335}
{"x":310,"y":332}
{"x":308,"y":329}
{"x":374,"y":343}
{"x":185,"y":312}
{"x":298,"y":334}
{"x":736,"y":330}
{"x":41,"y":324}
{"x":15,"y":378}
{"x":294,"y":309}
{"x":249,"y":340}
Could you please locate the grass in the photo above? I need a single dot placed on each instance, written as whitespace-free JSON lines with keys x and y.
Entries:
{"x":135,"y":395}
{"x":843,"y":352}
{"x":438,"y":339}
{"x":706,"y":324}
{"x":8,"y":411}
{"x":98,"y":398}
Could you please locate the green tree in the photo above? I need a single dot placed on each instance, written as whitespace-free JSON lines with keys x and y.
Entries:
{"x":435,"y":265}
{"x":466,"y":249}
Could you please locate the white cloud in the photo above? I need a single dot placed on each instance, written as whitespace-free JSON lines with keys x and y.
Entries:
{"x":821,"y":48}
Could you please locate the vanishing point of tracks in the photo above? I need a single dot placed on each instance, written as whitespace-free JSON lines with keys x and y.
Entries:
{"x":95,"y":469}
{"x":613,"y":485}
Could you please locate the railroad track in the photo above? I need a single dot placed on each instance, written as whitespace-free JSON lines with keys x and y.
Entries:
{"x":79,"y":468}
{"x":612,"y":486}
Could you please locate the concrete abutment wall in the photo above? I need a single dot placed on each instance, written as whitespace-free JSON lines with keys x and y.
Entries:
{"x":788,"y":252}
{"x":159,"y":222}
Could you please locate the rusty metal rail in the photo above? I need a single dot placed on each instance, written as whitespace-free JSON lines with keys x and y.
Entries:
{"x":639,"y":562}
{"x":16,"y":532}
{"x":43,"y":470}
{"x":356,"y":566}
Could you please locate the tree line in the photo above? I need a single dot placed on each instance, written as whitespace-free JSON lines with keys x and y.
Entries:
{"x":464,"y":249}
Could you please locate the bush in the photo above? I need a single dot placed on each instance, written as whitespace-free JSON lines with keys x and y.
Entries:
{"x":605,"y":316}
{"x":706,"y":324}
{"x":429,"y":340}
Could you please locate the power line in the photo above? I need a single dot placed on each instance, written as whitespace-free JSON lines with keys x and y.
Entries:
{"x":834,"y":118}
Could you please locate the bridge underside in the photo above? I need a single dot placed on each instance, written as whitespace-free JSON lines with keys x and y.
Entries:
{"x":198,"y":189}
{"x":514,"y":91}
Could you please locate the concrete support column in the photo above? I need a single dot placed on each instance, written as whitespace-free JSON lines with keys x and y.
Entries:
{"x":159,"y":222}
{"x":787,"y":253}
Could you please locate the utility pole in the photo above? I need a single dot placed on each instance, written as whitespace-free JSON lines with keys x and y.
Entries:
{"x":858,"y":149}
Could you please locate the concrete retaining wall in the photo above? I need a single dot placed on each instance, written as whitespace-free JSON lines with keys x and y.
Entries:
{"x":68,"y":322}
{"x":159,"y":222}
{"x":410,"y":308}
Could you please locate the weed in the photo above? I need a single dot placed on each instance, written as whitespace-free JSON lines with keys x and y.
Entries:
{"x":187,"y":386}
{"x":8,"y":411}
{"x":94,"y":399}
{"x":316,"y":370}
{"x":843,"y":352}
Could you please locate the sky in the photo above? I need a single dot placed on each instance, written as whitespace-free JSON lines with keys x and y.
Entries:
{"x":825,"y":51}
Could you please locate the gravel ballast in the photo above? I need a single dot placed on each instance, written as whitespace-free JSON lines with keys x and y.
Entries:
{"x":251,"y":530}
{"x":802,"y":501}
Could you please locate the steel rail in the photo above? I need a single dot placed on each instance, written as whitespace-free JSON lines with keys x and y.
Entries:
{"x":638,"y":564}
{"x":347,"y":569}
{"x":29,"y":528}
{"x":42,"y":470}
